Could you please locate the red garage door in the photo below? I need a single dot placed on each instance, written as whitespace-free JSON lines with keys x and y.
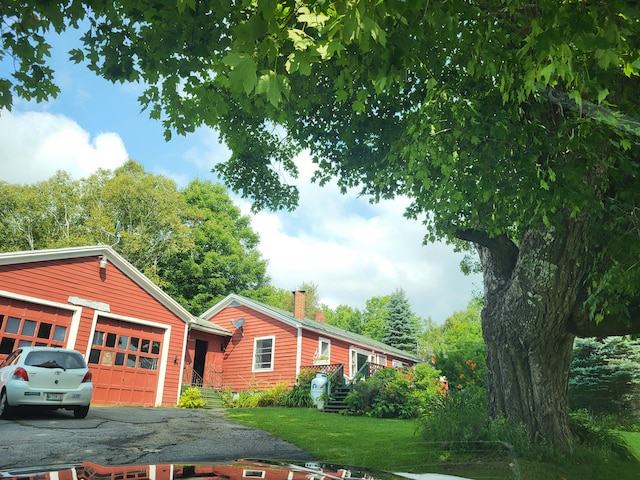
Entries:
{"x":124,"y":360}
{"x":23,"y":324}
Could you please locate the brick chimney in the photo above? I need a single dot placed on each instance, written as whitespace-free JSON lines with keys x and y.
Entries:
{"x":320,"y":317}
{"x":298,"y":304}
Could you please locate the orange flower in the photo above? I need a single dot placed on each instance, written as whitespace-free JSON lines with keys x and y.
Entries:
{"x":462,"y":375}
{"x":459,"y":386}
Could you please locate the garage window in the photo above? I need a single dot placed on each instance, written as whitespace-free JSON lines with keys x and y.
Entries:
{"x":111,"y":349}
{"x":263,"y":349}
{"x":23,"y":332}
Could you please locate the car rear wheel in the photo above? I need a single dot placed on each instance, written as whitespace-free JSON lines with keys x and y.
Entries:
{"x":5,"y":409}
{"x":81,"y":412}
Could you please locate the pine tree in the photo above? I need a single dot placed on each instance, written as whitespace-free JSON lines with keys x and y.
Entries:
{"x":605,"y":377}
{"x":401,"y":323}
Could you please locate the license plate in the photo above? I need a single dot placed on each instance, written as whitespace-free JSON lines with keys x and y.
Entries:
{"x":54,"y":397}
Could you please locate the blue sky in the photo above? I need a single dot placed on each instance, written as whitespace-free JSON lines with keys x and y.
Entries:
{"x":352,"y":250}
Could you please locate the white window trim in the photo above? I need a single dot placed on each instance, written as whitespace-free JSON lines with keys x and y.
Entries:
{"x":254,"y":473}
{"x":357,"y":351}
{"x":273,"y":354}
{"x":320,"y":359}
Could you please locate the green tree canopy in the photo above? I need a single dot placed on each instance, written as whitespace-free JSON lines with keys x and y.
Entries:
{"x":456,"y":347}
{"x":345,"y":317}
{"x":224,"y":258}
{"x":375,"y":317}
{"x":511,"y":125}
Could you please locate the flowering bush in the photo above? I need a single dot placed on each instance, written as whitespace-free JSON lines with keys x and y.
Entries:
{"x":393,"y":393}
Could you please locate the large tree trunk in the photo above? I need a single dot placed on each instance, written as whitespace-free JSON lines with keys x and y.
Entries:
{"x":531,"y":292}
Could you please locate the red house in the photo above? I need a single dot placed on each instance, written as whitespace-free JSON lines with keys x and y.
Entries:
{"x":270,"y":345}
{"x":142,"y":346}
{"x":132,"y":334}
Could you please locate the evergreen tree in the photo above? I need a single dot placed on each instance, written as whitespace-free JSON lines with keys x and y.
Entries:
{"x":605,"y":377}
{"x":401,"y":329}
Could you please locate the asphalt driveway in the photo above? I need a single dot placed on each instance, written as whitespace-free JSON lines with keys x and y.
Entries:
{"x":133,"y":435}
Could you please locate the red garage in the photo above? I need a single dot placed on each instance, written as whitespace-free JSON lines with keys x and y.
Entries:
{"x":132,"y":334}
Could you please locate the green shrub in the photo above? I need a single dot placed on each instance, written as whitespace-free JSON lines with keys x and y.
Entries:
{"x":246,"y":399}
{"x":273,"y":396}
{"x":192,"y":398}
{"x":388,"y":394}
{"x":300,"y":394}
{"x":459,"y":421}
{"x":280,"y":395}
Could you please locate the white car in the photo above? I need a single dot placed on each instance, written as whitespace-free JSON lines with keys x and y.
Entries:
{"x":47,"y":377}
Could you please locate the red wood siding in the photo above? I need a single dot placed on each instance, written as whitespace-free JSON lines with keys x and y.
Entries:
{"x":213,"y":362}
{"x":238,"y":357}
{"x":57,"y":280}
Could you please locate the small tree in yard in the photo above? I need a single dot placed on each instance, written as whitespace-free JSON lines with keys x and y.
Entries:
{"x":402,"y":324}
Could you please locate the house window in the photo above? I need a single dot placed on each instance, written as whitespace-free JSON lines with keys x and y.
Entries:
{"x":22,"y":332}
{"x":323,"y":353}
{"x":379,"y":359}
{"x":254,"y":473}
{"x":263,"y":354}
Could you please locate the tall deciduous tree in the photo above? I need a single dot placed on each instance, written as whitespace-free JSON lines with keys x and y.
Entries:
{"x":511,"y":125}
{"x":375,"y":316}
{"x":345,"y":317}
{"x":224,"y":257}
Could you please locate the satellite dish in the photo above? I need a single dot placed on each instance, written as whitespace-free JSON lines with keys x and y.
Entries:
{"x":239,"y":322}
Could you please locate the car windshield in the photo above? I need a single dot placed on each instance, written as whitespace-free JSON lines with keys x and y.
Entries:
{"x":64,"y":360}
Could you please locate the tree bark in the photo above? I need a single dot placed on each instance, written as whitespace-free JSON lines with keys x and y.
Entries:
{"x":532,"y":290}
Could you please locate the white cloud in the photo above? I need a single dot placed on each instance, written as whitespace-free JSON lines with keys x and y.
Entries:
{"x":354,"y":251}
{"x":34,"y":145}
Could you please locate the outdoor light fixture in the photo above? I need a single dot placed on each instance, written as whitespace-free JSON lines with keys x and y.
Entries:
{"x":103,"y":262}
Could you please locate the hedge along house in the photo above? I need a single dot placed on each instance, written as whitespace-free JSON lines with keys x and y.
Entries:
{"x":133,"y":335}
{"x":270,"y":345}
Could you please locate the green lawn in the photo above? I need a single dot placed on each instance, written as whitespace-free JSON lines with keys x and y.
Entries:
{"x":395,"y":445}
{"x":633,"y":439}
